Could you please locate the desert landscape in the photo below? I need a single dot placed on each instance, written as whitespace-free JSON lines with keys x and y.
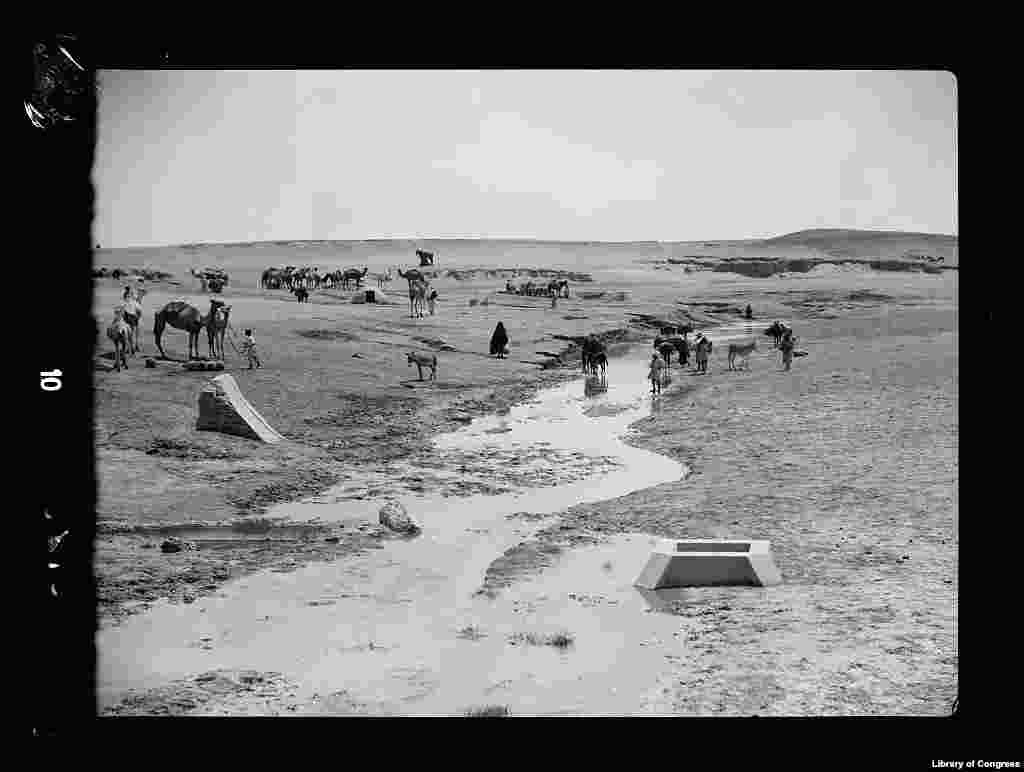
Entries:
{"x":538,"y":489}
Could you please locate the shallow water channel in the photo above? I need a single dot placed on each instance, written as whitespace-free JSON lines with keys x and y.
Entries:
{"x":402,"y":630}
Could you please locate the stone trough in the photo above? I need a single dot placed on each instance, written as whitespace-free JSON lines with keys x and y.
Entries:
{"x":709,"y":563}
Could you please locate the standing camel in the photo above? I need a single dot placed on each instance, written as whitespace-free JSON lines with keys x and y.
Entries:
{"x":215,"y":329}
{"x":418,"y":294}
{"x":353,"y":274}
{"x":120,"y":335}
{"x":182,"y":316}
{"x":558,"y":288}
{"x":415,"y":279}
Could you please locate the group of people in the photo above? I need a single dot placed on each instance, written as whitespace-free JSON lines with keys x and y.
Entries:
{"x":662,"y":357}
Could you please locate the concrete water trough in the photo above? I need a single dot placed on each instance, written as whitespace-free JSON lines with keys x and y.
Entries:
{"x":709,"y":563}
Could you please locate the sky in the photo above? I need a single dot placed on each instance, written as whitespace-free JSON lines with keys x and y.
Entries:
{"x":187,"y":156}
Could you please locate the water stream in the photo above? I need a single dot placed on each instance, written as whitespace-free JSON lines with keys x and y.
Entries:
{"x":403,"y":629}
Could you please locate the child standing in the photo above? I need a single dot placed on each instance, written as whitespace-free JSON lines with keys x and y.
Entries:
{"x":249,"y":348}
{"x":657,"y":363}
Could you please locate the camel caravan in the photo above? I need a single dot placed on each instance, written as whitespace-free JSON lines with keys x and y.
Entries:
{"x":556,"y":288}
{"x":292,"y":278}
{"x":123,"y":330}
{"x":301,"y":280}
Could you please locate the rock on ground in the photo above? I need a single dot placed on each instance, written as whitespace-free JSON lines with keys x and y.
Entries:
{"x":394,"y":516}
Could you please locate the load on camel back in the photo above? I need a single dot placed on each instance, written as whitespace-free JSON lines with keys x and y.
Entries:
{"x":211,"y":279}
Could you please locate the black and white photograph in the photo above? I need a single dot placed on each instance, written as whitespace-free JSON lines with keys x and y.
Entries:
{"x":523,"y":392}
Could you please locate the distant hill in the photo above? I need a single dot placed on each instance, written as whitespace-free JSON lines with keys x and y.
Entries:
{"x":836,"y":242}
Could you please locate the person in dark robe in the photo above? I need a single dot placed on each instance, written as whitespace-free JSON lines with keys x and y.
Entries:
{"x":666,"y":349}
{"x":749,"y":313}
{"x":499,"y":341}
{"x":683,"y":350}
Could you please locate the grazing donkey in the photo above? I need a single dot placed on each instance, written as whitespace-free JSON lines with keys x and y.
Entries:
{"x":421,"y":361}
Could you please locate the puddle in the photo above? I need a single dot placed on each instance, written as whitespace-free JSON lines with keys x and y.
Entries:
{"x":385,"y":626}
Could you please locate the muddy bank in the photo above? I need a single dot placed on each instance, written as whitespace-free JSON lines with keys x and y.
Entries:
{"x":132,"y":572}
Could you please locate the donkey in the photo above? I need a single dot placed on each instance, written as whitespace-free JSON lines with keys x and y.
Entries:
{"x":742,"y":350}
{"x":421,"y":361}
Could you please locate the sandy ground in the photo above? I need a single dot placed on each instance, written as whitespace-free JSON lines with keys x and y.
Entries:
{"x":847,"y":464}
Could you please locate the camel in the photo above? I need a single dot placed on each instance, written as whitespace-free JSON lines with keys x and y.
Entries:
{"x":200,"y":276}
{"x":120,"y":335}
{"x":330,"y":279}
{"x":276,"y":278}
{"x":353,"y":274}
{"x":307,"y":278}
{"x":215,"y":329}
{"x":182,"y":316}
{"x":271,"y":278}
{"x":426,"y":258}
{"x":301,"y":294}
{"x":417,"y":289}
{"x":418,"y":295}
{"x":558,"y":288}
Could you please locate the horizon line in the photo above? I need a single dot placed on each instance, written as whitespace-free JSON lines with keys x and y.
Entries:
{"x":529,"y":240}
